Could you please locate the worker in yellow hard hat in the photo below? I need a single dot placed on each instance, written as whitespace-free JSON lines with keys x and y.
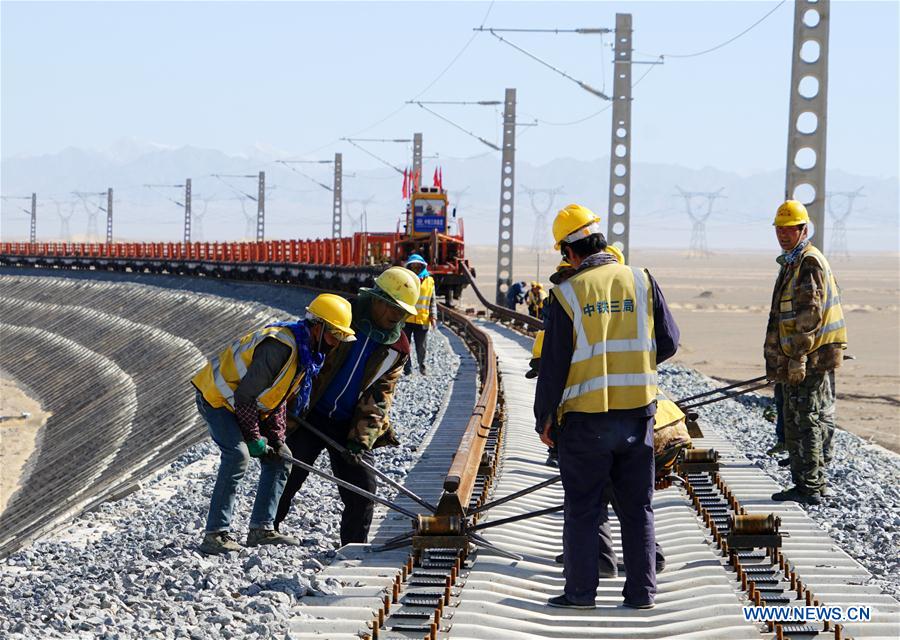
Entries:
{"x":244,"y":393}
{"x":535,"y":299}
{"x":352,"y":396}
{"x":607,"y":327}
{"x":805,"y":339}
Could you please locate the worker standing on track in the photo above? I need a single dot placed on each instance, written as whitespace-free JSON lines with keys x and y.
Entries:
{"x":425,"y":317}
{"x":243,"y":394}
{"x":515,"y":295}
{"x":535,"y":299}
{"x":805,"y":339}
{"x":607,"y":328}
{"x":352,"y":397}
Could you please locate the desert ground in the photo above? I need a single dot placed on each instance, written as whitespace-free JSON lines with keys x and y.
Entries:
{"x":721,"y":303}
{"x":18,"y":434}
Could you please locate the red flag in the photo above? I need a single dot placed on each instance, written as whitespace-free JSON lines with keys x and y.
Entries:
{"x":441,"y":178}
{"x":405,"y":184}
{"x":435,"y":181}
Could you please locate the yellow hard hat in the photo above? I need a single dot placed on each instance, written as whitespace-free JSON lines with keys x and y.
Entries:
{"x":538,"y":344}
{"x":574,"y":223}
{"x":335,"y":312}
{"x":402,"y":285}
{"x":564,"y":264}
{"x":614,"y":251}
{"x":790,"y":214}
{"x":667,"y":412}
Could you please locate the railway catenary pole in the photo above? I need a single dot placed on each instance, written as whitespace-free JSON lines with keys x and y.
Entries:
{"x":109,"y":216}
{"x":417,"y":156}
{"x":187,"y":211}
{"x":261,"y":208}
{"x":32,"y":235}
{"x":507,"y":199}
{"x":337,"y":203}
{"x":807,"y":124}
{"x":620,"y":140}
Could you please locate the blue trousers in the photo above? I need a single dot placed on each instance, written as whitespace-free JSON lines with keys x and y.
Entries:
{"x":594,"y":451}
{"x":233,"y":460}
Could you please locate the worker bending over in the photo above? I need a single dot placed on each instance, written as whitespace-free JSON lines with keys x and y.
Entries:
{"x":425,"y":317}
{"x":805,"y":339}
{"x":352,"y":397}
{"x":607,"y":328}
{"x":243,"y":394}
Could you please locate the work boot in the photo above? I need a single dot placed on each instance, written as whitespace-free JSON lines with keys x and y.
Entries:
{"x":784,"y":462}
{"x":256,"y":537}
{"x":563,"y":602}
{"x":552,"y":458}
{"x":796,"y":495}
{"x":218,"y":542}
{"x":826,"y":492}
{"x":422,"y":369}
{"x":775,"y":450}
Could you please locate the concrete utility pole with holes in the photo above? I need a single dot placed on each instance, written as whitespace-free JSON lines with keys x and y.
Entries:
{"x":807,"y":127}
{"x":32,"y":235}
{"x":507,"y":199}
{"x":620,"y":140}
{"x":261,"y":208}
{"x":109,"y":216}
{"x":187,"y":211}
{"x":338,"y":202}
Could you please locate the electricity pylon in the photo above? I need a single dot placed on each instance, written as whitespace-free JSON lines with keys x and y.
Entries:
{"x":698,"y":247}
{"x":539,"y":234}
{"x":839,"y":243}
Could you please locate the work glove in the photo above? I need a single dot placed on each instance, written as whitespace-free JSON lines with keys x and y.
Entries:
{"x":354,"y":452}
{"x":259,"y":448}
{"x":796,"y":372}
{"x":278,"y":452}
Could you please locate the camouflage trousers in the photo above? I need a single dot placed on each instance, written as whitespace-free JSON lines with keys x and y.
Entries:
{"x":809,"y":430}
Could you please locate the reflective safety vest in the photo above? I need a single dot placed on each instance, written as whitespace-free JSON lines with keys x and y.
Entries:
{"x":222,"y":374}
{"x":833,"y":329}
{"x":614,"y":357}
{"x":423,"y":304}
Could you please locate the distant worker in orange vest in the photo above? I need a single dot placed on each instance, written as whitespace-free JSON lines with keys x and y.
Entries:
{"x":425,"y":318}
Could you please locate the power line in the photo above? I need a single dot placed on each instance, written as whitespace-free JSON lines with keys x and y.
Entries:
{"x":379,"y":158}
{"x":719,"y":46}
{"x":423,"y":91}
{"x":289,"y":163}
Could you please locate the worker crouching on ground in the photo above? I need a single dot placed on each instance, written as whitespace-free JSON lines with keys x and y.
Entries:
{"x":352,"y":397}
{"x":425,"y":317}
{"x":607,"y":328}
{"x":243,"y":394}
{"x":535,"y":299}
{"x":805,"y":339}
{"x":515,"y":295}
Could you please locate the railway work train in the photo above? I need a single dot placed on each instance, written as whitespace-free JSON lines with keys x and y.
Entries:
{"x":332,"y":263}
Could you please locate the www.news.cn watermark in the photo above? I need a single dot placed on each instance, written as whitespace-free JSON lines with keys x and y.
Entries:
{"x":854,"y":613}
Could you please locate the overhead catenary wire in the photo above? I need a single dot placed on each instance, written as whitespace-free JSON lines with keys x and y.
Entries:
{"x":464,"y":130}
{"x":723,"y":44}
{"x":287,"y":163}
{"x":376,"y":157}
{"x":419,"y":94}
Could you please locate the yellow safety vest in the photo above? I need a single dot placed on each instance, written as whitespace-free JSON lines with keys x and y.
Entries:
{"x":614,"y":357}
{"x":833,"y":329}
{"x":423,"y":304}
{"x":222,"y":374}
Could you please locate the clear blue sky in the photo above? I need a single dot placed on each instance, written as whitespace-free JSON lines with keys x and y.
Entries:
{"x":297,"y":76}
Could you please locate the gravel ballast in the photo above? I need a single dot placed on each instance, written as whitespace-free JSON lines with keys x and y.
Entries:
{"x":862,"y":515}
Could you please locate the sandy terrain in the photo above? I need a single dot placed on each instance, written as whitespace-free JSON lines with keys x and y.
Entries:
{"x":721,"y":304}
{"x":17,"y":435}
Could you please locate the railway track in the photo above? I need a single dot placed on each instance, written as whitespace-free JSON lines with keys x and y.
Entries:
{"x":464,"y":571}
